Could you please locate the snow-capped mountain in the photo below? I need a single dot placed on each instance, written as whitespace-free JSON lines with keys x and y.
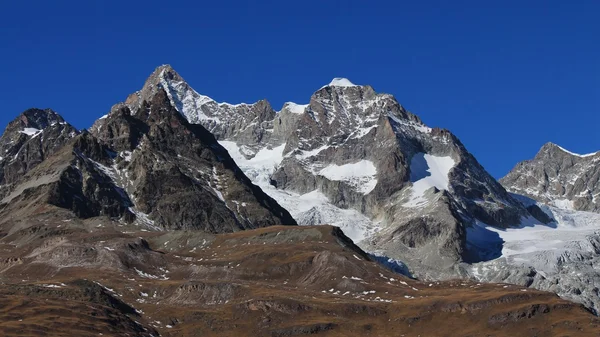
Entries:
{"x":147,"y":224}
{"x":356,"y":158}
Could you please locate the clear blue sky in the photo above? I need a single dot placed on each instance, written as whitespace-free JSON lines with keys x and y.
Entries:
{"x":504,"y":77}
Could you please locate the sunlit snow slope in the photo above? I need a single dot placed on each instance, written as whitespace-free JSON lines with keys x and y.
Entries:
{"x":310,"y":208}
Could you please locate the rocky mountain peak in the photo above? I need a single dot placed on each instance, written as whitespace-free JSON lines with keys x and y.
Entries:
{"x":34,"y":120}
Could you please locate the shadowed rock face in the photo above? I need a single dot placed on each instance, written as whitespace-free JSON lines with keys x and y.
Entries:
{"x":558,"y":177}
{"x":179,"y":175}
{"x":152,"y":167}
{"x":27,"y":141}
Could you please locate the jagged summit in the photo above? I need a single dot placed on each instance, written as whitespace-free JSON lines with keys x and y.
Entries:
{"x":559,"y":177}
{"x":33,"y":120}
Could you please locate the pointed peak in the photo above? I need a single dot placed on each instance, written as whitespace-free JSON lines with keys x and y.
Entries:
{"x":166,"y":72}
{"x":340,"y":82}
{"x":553,"y":146}
{"x":37,"y":118}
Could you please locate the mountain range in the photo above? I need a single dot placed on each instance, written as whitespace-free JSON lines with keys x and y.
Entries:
{"x":176,"y":215}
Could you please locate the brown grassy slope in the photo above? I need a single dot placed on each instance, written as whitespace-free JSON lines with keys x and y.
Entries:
{"x":275,"y":281}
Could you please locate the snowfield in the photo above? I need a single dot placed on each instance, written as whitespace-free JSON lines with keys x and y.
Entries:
{"x":311,"y":208}
{"x":538,"y":245}
{"x":427,"y":171}
{"x":360,"y":175}
{"x":564,"y":255}
{"x":295,"y":108}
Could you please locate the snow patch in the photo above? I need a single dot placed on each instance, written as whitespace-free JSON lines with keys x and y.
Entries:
{"x":30,"y":131}
{"x":311,"y":208}
{"x":360,"y":175}
{"x":295,"y":108}
{"x":261,"y":166}
{"x":563,"y":204}
{"x":340,"y":82}
{"x":427,"y":171}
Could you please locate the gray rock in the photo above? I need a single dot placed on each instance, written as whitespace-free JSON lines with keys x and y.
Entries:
{"x":556,"y":176}
{"x":346,"y":125}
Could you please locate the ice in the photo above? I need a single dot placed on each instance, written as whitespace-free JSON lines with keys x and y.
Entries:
{"x":427,"y":171}
{"x":535,"y":244}
{"x":563,"y":203}
{"x":360,"y":175}
{"x":261,"y":166}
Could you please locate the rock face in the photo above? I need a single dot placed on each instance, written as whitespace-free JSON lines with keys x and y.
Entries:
{"x":179,"y":175}
{"x":152,"y":167}
{"x":360,"y":160}
{"x":29,"y":140}
{"x":558,"y":177}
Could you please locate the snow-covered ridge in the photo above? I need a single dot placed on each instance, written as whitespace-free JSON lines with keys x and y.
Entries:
{"x":576,"y":154}
{"x":295,"y":108}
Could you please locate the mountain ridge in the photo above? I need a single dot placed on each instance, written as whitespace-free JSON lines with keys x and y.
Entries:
{"x":332,"y":133}
{"x":180,"y":230}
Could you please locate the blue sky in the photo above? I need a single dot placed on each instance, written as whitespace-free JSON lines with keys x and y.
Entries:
{"x":504,"y":76}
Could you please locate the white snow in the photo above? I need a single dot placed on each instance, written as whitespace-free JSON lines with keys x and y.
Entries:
{"x":30,"y":131}
{"x":419,"y":127}
{"x":311,"y":153}
{"x":427,"y":171}
{"x":360,"y":175}
{"x":340,"y":82}
{"x":576,"y":154}
{"x":538,"y":245}
{"x":187,"y":101}
{"x":563,"y":204}
{"x":305,"y":208}
{"x":261,"y":166}
{"x":295,"y":108}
